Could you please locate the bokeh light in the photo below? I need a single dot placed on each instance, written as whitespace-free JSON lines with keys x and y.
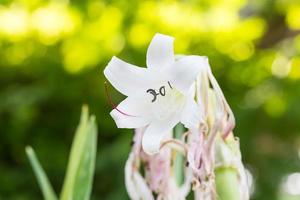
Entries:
{"x":14,"y":22}
{"x":291,"y":184}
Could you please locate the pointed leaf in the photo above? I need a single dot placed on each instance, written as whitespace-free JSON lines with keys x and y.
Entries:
{"x":80,"y":171}
{"x":41,"y":176}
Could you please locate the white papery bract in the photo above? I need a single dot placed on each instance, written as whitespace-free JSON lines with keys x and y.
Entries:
{"x":159,"y":96}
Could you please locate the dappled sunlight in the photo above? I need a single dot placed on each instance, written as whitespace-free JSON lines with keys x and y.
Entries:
{"x":139,"y":35}
{"x":295,"y":68}
{"x":53,"y":21}
{"x":241,"y":51}
{"x":293,"y":16}
{"x":281,"y":66}
{"x":97,"y":39}
{"x":275,"y":106}
{"x":14,"y":23}
{"x":16,"y":54}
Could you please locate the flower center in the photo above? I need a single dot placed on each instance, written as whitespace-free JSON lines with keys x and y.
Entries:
{"x":167,"y":102}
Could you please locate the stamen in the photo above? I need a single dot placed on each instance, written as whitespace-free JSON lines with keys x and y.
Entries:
{"x":176,"y":144}
{"x":112,"y":103}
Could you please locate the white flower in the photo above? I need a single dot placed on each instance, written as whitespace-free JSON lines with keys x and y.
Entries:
{"x":159,"y":96}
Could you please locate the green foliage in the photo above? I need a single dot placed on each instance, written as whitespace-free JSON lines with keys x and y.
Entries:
{"x":41,"y":176}
{"x":79,"y":177}
{"x":80,"y":172}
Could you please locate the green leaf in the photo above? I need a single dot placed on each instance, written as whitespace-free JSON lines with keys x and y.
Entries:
{"x":81,"y":166}
{"x":43,"y":181}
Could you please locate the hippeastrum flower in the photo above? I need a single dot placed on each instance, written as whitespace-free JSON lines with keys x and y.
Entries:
{"x":159,"y":96}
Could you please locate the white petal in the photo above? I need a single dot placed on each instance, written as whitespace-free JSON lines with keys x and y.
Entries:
{"x":142,"y":187}
{"x":129,"y":179}
{"x":160,"y":52}
{"x":131,"y":113}
{"x":183,"y":73}
{"x":135,"y":184}
{"x":192,"y":114}
{"x":126,"y":78}
{"x":155,"y":132}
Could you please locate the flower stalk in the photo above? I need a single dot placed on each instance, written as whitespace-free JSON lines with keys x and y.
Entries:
{"x":179,"y":157}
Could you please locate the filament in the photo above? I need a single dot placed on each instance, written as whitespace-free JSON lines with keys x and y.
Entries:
{"x":112,"y":103}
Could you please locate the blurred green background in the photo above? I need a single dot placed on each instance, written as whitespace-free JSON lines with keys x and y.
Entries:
{"x":52,"y":54}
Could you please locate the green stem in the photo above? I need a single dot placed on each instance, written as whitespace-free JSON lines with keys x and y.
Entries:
{"x":179,"y":158}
